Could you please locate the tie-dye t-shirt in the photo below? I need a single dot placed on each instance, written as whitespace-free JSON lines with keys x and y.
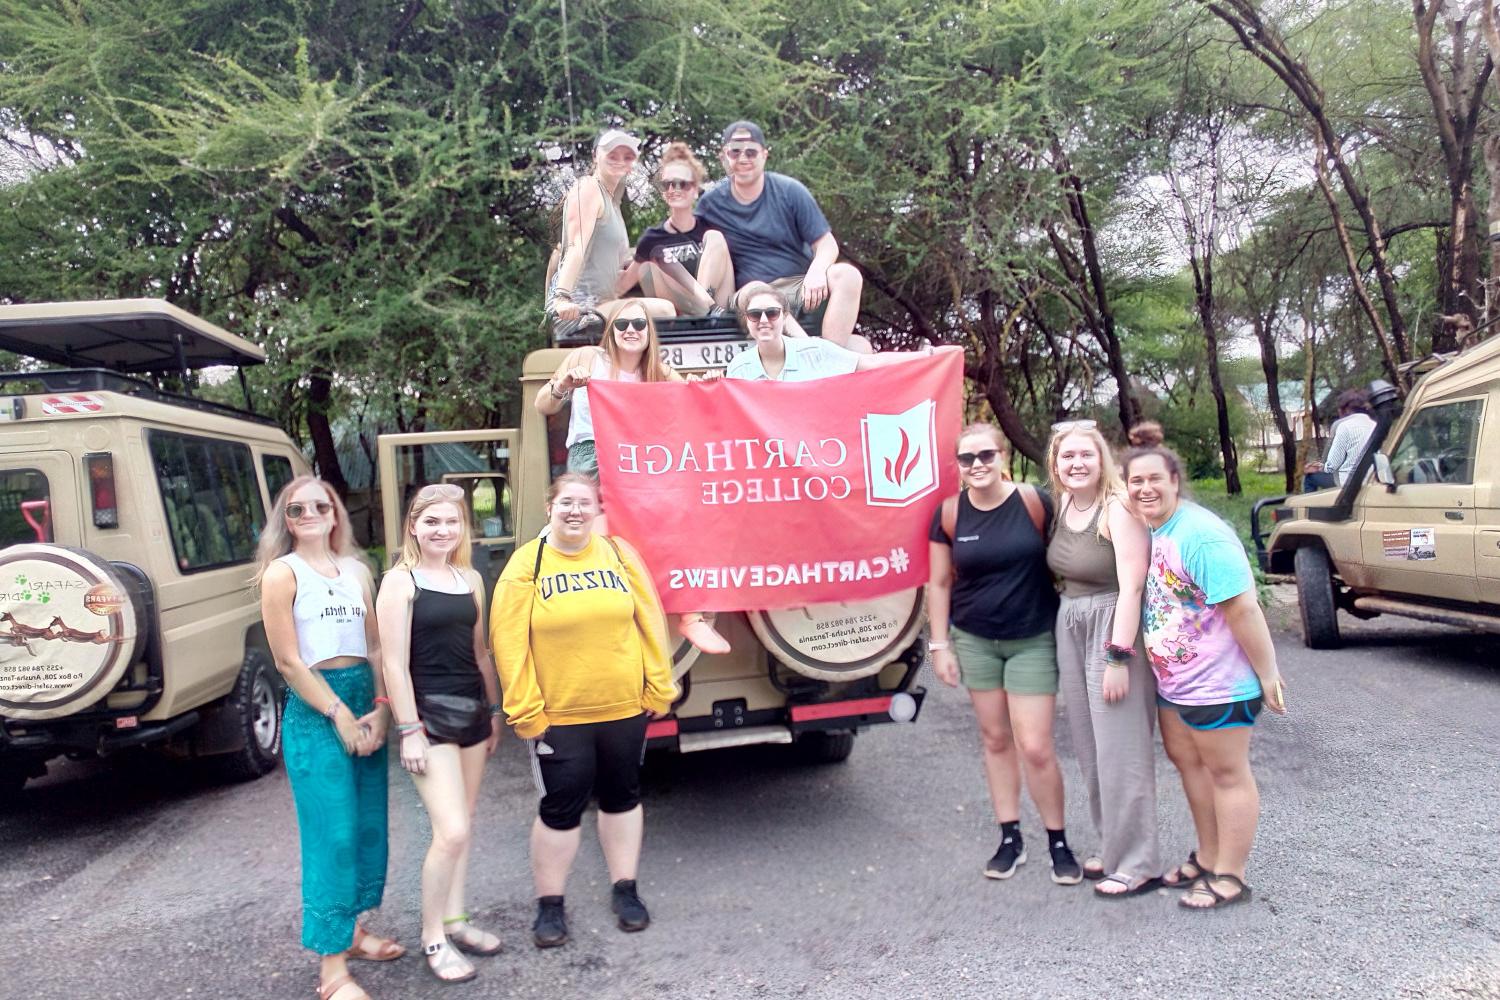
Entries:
{"x":1197,"y":562}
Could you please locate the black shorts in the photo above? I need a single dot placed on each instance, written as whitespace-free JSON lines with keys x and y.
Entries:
{"x":1229,"y":715}
{"x":570,"y":764}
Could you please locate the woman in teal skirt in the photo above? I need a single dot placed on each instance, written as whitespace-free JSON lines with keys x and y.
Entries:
{"x":317,"y":600}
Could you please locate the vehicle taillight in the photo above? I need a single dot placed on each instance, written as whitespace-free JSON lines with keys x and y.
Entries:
{"x":101,"y":469}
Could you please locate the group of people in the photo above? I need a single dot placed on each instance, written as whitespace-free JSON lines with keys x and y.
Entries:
{"x":1154,"y":620}
{"x":577,"y":645}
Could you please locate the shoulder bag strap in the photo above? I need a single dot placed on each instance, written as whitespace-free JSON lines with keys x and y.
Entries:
{"x":1033,"y":501}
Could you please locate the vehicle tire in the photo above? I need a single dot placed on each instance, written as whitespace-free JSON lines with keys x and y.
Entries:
{"x":1315,"y":598}
{"x":825,"y":747}
{"x":256,"y":703}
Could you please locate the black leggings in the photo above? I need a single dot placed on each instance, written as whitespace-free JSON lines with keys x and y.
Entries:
{"x":570,"y":763}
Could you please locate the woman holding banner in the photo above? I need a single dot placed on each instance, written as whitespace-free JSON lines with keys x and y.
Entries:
{"x":780,"y":358}
{"x":576,"y":627}
{"x":991,"y":610}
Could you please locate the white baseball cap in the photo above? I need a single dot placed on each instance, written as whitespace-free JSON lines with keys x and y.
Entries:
{"x":611,"y":138}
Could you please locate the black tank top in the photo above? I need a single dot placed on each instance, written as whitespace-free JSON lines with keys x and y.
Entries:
{"x":442,"y":643}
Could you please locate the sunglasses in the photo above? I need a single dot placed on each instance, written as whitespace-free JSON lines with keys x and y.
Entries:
{"x":985,"y":457}
{"x":638,"y":323}
{"x":452,"y":491}
{"x":298,"y":510}
{"x":756,"y":315}
{"x":676,"y":185}
{"x":742,"y":152}
{"x":1067,"y":426}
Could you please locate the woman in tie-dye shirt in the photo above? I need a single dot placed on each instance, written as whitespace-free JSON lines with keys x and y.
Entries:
{"x":1215,"y":667}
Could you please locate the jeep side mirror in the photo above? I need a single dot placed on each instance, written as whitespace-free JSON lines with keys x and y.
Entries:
{"x":1383,"y":472}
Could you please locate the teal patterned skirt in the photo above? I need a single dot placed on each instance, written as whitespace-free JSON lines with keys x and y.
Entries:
{"x":341,"y":813}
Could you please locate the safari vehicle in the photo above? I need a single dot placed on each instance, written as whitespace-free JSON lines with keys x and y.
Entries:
{"x":128,"y":522}
{"x":779,"y":684}
{"x":1419,"y":538}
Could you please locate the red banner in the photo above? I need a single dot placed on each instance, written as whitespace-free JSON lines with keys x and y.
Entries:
{"x":745,"y":494}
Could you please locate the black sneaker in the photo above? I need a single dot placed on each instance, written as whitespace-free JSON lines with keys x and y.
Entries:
{"x":1065,"y":867}
{"x":551,"y":926}
{"x":1003,"y":865}
{"x":628,"y":906}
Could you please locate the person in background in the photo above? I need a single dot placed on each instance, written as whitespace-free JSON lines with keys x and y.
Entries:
{"x":991,"y":611}
{"x":777,"y":234}
{"x":445,"y":698}
{"x":317,"y":603}
{"x":1215,"y":666}
{"x":1350,"y":433}
{"x":685,"y":259}
{"x":1145,"y":434}
{"x":576,"y":627}
{"x":1099,"y":550}
{"x":591,"y":272}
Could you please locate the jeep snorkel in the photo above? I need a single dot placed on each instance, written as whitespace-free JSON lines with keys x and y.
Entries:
{"x":1386,"y":403}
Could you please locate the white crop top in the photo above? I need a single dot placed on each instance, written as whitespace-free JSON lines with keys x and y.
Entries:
{"x":581,"y":418}
{"x":329,"y":614}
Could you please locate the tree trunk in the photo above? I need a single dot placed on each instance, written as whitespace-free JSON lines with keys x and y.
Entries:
{"x":1203,"y":292}
{"x":1265,"y":335}
{"x":1492,"y":168}
{"x":325,"y":453}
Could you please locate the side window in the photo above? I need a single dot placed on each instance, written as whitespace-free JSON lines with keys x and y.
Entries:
{"x":278,"y":472}
{"x":211,"y":497}
{"x":1439,"y":444}
{"x":25,"y":514}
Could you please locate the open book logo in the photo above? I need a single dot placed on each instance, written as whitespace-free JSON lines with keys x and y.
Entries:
{"x":900,"y":455}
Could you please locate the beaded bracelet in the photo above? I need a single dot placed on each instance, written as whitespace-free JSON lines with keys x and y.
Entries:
{"x":383,"y":700}
{"x":407,"y":728}
{"x":332,"y":710}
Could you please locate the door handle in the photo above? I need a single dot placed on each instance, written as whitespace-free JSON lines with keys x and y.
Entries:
{"x":1454,"y":515}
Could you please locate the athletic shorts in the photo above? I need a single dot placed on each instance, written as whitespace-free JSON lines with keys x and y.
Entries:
{"x":582,"y":457}
{"x":571,"y":764}
{"x":1020,"y":666}
{"x":1227,"y":715}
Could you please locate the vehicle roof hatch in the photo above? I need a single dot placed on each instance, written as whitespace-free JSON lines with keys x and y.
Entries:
{"x":125,"y":335}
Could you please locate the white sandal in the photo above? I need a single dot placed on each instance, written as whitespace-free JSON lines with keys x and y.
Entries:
{"x":441,"y":955}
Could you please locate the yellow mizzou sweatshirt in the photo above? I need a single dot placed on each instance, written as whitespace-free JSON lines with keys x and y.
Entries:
{"x":584,"y":640}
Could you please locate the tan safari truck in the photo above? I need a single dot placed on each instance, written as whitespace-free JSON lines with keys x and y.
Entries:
{"x":810,"y":677}
{"x":1416,"y":529}
{"x":128,"y":522}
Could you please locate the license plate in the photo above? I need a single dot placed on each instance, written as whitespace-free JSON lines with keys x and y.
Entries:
{"x":703,"y":354}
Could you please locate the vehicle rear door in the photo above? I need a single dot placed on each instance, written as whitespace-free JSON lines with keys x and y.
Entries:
{"x":480,"y":461}
{"x":1418,"y":537}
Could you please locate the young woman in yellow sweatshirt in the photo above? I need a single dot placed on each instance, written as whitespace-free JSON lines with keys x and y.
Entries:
{"x":580,"y":644}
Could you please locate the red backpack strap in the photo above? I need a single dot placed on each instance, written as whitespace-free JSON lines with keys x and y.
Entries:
{"x":949,"y":518}
{"x":1033,"y":501}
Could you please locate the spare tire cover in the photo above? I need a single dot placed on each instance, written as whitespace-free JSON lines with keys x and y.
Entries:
{"x":843,"y":641}
{"x":68,"y":630}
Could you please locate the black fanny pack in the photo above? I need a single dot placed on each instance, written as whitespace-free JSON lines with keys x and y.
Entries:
{"x":454,"y":718}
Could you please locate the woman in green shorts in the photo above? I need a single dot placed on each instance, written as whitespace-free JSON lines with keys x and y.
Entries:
{"x":991,"y":608}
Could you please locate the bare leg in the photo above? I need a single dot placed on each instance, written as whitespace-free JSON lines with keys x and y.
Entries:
{"x":1031,"y":719}
{"x":1197,"y":785}
{"x":443,"y":793}
{"x":675,"y":284}
{"x":552,"y":854}
{"x":655,"y":308}
{"x":332,"y":967}
{"x":1226,"y":759}
{"x":845,"y":284}
{"x":1002,"y":769}
{"x":716,"y":269}
{"x":472,"y":759}
{"x":620,"y":835}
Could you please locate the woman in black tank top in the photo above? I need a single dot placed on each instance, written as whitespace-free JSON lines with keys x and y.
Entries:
{"x":444,"y":695}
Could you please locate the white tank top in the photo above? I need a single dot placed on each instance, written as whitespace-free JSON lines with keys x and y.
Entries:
{"x":580,"y":420}
{"x":329,"y":613}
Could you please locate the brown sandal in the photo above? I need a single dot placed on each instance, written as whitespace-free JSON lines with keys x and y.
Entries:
{"x":386,"y":950}
{"x":327,"y":990}
{"x":1179,"y":879}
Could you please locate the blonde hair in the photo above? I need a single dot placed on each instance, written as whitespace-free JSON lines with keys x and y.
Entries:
{"x":571,"y":479}
{"x":679,"y":152}
{"x":653,"y":368}
{"x":276,"y":540}
{"x":411,"y":552}
{"x":1111,"y":483}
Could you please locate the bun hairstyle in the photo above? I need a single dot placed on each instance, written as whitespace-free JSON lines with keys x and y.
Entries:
{"x":1146,"y":434}
{"x":679,"y":152}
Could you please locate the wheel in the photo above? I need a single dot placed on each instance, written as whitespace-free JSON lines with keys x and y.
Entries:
{"x":830,"y":747}
{"x":254,"y":704}
{"x":1315,"y":598}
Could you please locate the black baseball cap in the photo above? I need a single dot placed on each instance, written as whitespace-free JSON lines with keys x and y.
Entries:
{"x":756,"y":135}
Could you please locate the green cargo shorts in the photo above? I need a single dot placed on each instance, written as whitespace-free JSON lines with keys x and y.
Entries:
{"x":1020,"y":666}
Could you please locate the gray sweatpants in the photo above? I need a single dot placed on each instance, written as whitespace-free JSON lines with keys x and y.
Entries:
{"x":1114,"y":741}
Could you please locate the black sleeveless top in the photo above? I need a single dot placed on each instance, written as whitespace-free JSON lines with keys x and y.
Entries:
{"x":442,"y":643}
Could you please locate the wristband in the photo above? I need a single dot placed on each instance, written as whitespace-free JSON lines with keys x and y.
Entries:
{"x":407,"y":728}
{"x":552,"y":388}
{"x":1118,"y":655}
{"x":495,"y":709}
{"x":332,"y":710}
{"x":383,"y":700}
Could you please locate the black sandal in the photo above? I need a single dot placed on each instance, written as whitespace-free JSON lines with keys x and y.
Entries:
{"x":1206,"y":884}
{"x":1119,"y":878}
{"x":1183,"y":880}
